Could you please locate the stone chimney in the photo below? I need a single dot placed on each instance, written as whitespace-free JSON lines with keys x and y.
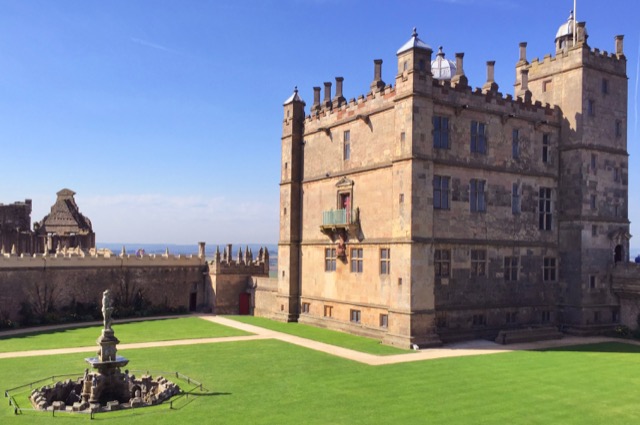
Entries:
{"x":619,"y":45}
{"x":581,"y":32}
{"x":459,"y":79}
{"x":490,"y":85}
{"x":524,"y":91}
{"x":201,"y":253}
{"x":327,"y":95}
{"x":338,"y":99}
{"x":377,"y":83}
{"x":523,"y":53}
{"x":316,"y":100}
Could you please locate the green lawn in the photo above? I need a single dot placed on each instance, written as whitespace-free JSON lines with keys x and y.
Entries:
{"x":341,"y":339}
{"x":150,"y":330}
{"x":269,"y":381}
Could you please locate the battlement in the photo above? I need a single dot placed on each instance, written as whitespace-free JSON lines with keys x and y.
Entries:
{"x":244,"y":263}
{"x":354,"y":107}
{"x":466,"y":97}
{"x":79,"y":258}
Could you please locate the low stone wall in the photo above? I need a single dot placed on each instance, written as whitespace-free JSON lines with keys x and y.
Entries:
{"x":263,"y":300}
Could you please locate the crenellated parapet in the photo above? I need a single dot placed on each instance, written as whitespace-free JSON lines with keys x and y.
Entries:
{"x":79,"y":258}
{"x":244,"y":262}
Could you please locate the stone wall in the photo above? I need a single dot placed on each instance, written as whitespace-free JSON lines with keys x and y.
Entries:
{"x":58,"y":280}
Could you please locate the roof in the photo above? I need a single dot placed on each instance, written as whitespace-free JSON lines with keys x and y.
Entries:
{"x":441,"y":68}
{"x":294,"y":97}
{"x":65,"y":217}
{"x":566,"y":29}
{"x":414,"y":43}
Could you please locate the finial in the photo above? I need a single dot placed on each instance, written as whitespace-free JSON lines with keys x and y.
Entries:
{"x":415,"y":32}
{"x":295,"y":89}
{"x":440,"y":52}
{"x":570,"y":16}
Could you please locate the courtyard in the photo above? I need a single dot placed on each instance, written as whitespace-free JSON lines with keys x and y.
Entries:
{"x":262,"y":372}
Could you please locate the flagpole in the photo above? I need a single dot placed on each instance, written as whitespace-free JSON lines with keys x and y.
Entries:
{"x":575,"y":20}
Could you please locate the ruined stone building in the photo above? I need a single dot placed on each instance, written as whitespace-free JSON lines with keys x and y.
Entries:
{"x":15,"y":227}
{"x":428,"y":211}
{"x":63,"y":228}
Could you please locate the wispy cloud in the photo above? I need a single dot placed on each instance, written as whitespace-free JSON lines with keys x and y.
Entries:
{"x":152,"y":45}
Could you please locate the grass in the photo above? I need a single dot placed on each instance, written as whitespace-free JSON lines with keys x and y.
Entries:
{"x":269,"y":381}
{"x":341,"y":339}
{"x":150,"y":330}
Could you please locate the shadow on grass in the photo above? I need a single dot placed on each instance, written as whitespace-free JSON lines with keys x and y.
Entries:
{"x":601,"y":347}
{"x":62,"y":328}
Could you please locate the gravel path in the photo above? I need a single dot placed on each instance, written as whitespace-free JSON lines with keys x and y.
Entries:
{"x":469,"y":348}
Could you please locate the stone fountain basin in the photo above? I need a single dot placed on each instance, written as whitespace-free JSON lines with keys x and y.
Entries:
{"x":95,"y":362}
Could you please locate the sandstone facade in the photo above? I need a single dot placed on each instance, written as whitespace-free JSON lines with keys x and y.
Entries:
{"x":428,"y":211}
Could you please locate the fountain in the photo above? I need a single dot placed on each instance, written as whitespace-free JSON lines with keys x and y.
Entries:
{"x":107,"y":388}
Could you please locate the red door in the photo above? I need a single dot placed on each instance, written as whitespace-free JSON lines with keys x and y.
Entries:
{"x":245,"y":303}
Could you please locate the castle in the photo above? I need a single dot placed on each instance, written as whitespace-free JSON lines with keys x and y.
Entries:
{"x":420,"y":213}
{"x":428,"y":211}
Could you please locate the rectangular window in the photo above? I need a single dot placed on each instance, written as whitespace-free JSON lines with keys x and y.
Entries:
{"x":478,"y":138}
{"x":591,"y":107}
{"x":593,"y":162}
{"x":476,"y":196}
{"x":384,"y":321}
{"x":328,"y":311}
{"x":440,"y":132}
{"x":544,"y":209}
{"x":605,"y":86}
{"x":592,"y":281}
{"x":478,"y":262}
{"x":596,"y":317}
{"x":441,"y":192}
{"x":510,"y":269}
{"x":512,"y":317}
{"x":594,"y":230}
{"x":545,"y":148}
{"x":547,"y":85}
{"x":305,"y":307}
{"x":614,"y":316}
{"x":346,"y":137}
{"x":356,"y":260}
{"x":593,"y":202}
{"x":385,"y":260}
{"x":549,"y":269}
{"x":546,"y":316}
{"x":355,"y":316}
{"x":329,"y":259}
{"x":616,"y":174}
{"x":515,"y":144}
{"x":479,"y":320}
{"x":442,"y":262}
{"x":515,"y":198}
{"x":618,"y":128}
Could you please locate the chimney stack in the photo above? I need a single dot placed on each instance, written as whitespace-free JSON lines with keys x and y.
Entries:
{"x":619,"y":45}
{"x":459,"y":79}
{"x":327,"y":95}
{"x":524,"y":86}
{"x":523,"y":53}
{"x":490,"y":85}
{"x":316,"y":100}
{"x":377,"y":83}
{"x":201,"y":246}
{"x":338,"y":100}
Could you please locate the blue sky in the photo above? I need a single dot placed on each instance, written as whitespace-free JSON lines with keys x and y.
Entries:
{"x":165,"y":116}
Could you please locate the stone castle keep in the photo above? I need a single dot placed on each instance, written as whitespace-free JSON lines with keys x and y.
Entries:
{"x":428,"y":211}
{"x":423,"y":212}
